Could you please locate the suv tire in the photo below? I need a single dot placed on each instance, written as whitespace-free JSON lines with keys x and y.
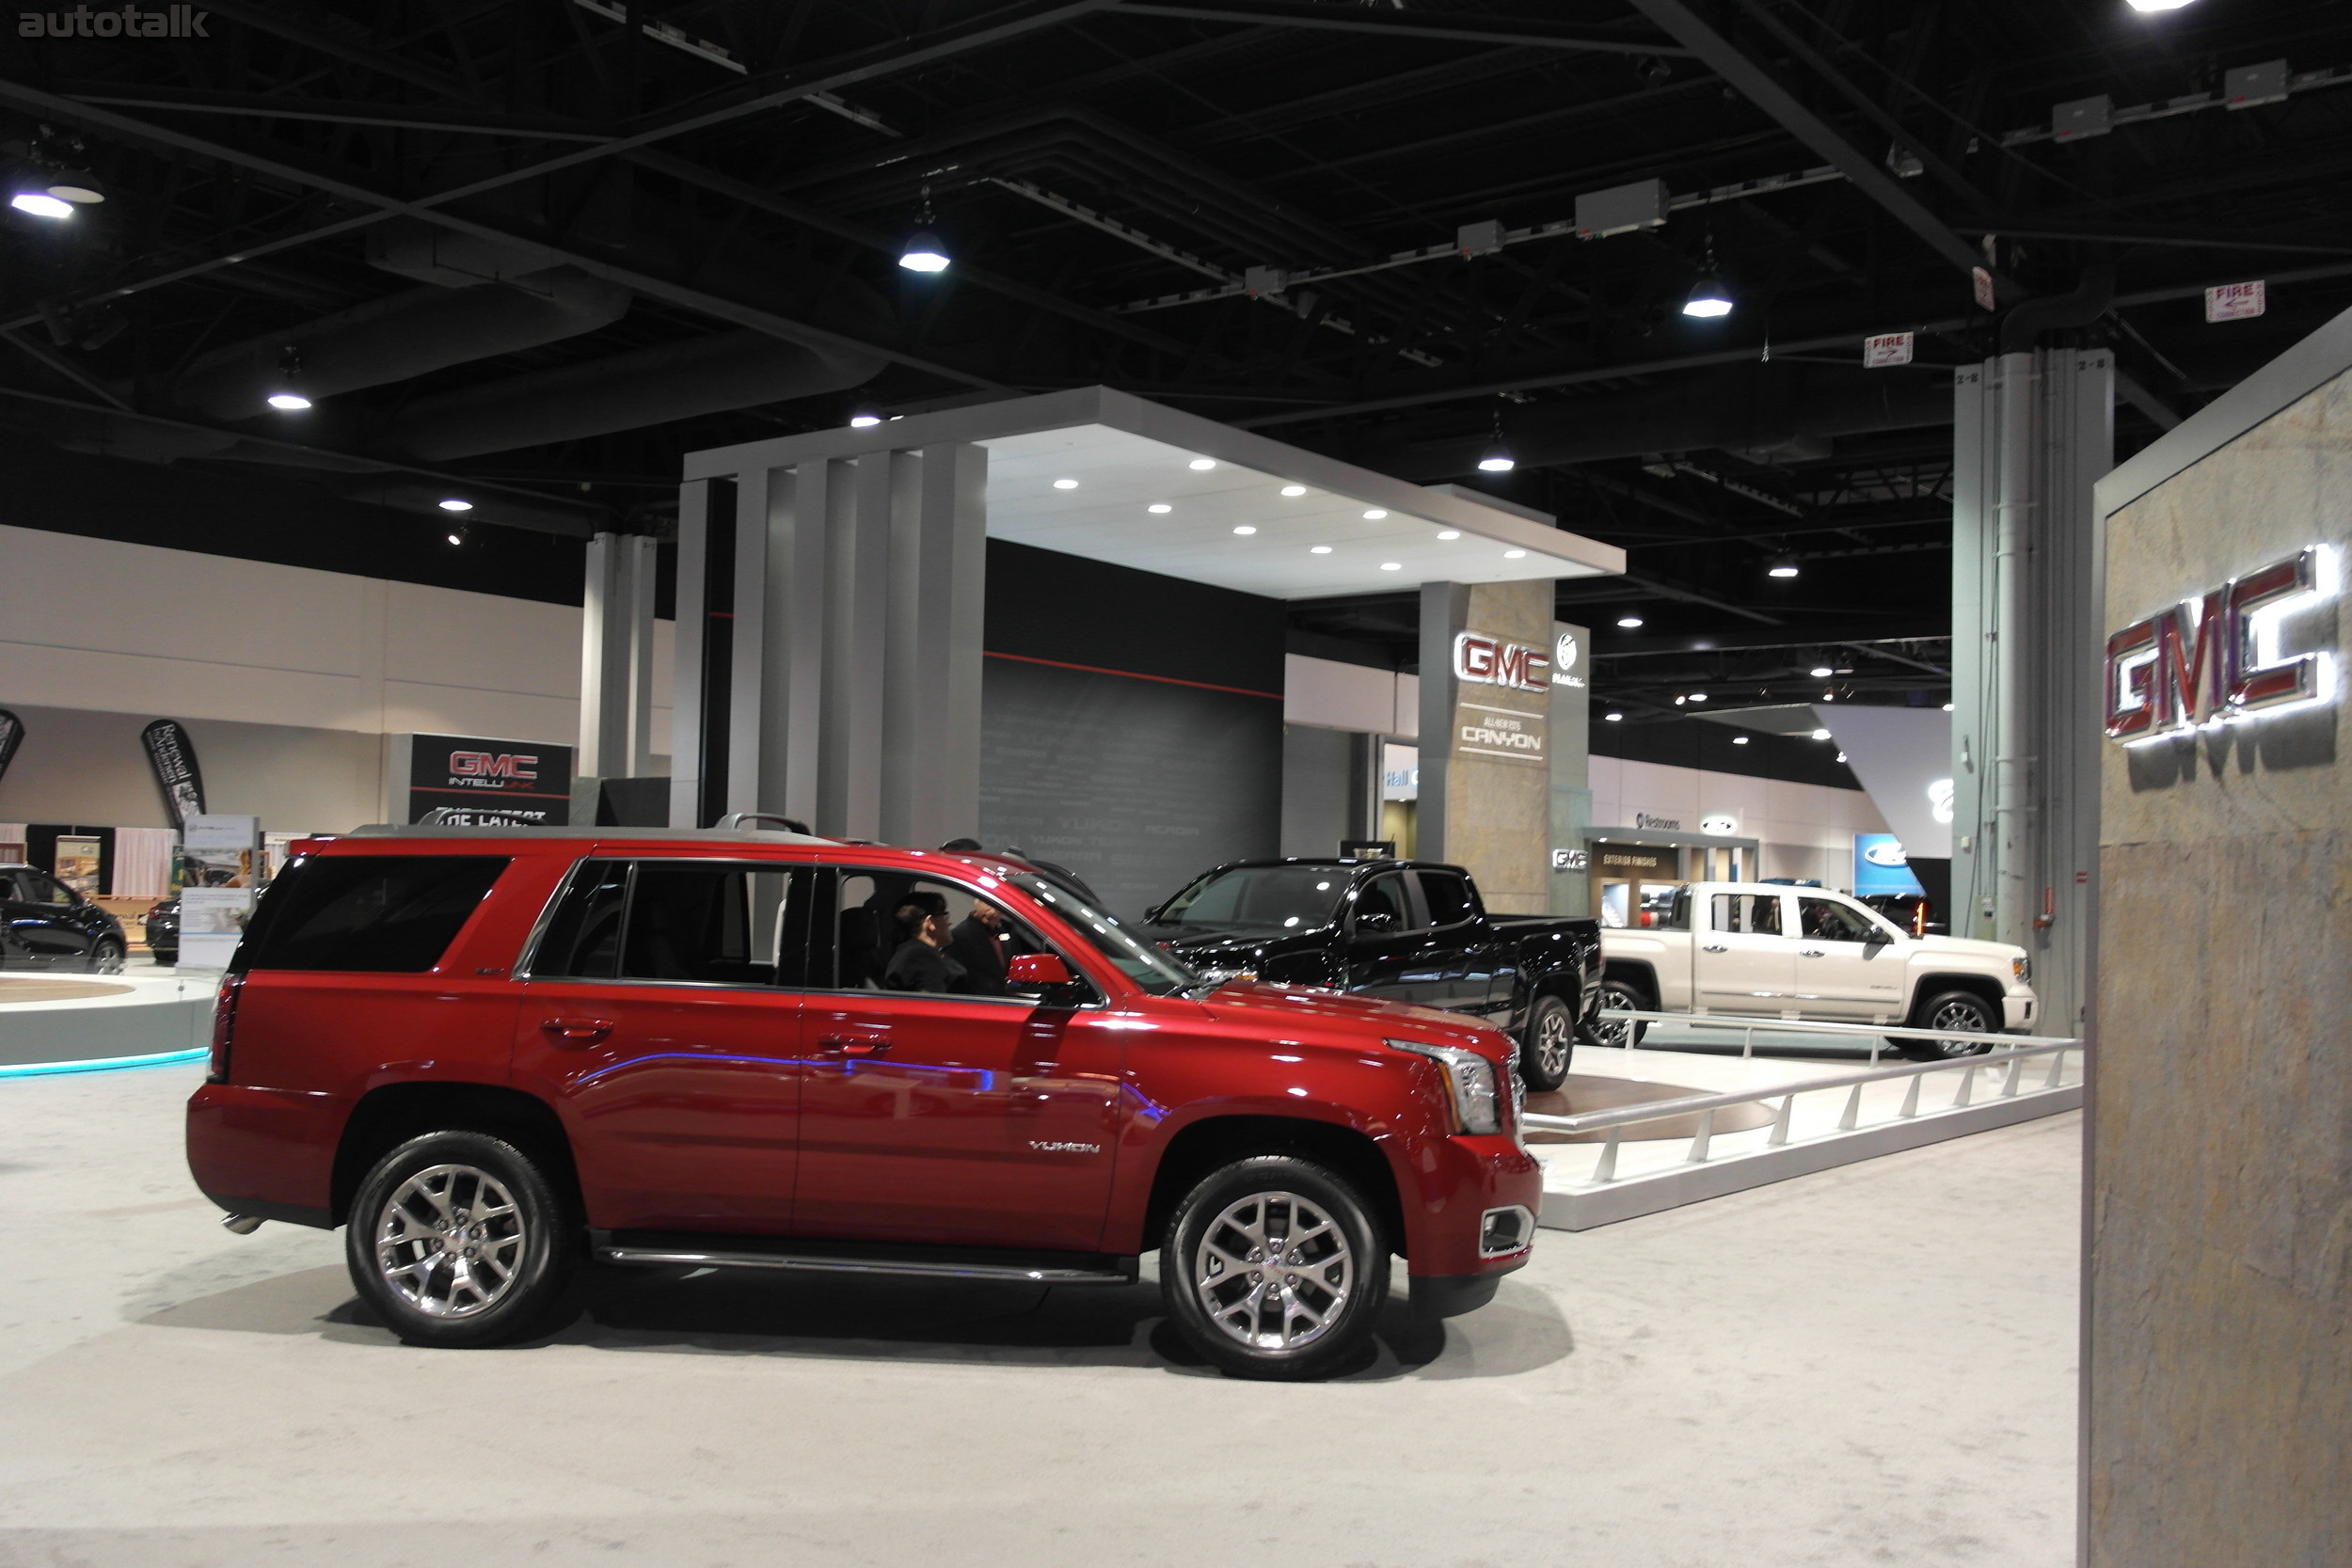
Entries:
{"x":1951,"y":1010}
{"x":1217,"y":1264}
{"x":459,"y":1240}
{"x":1550,"y":1045}
{"x":106,"y":958}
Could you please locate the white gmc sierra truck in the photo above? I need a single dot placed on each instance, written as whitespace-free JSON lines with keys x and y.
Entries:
{"x":1772,"y":951}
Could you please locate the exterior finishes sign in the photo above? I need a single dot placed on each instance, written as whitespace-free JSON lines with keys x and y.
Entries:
{"x":2217,"y":659}
{"x":484,"y":783}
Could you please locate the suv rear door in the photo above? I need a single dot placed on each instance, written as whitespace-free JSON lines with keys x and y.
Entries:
{"x":1743,"y":962}
{"x":663,"y":1014}
{"x":979,"y":1116}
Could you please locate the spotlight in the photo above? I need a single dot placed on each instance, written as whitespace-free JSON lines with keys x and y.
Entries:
{"x":1245,"y":529}
{"x":40,"y":204}
{"x":289,"y":402}
{"x":1679,"y":701}
{"x":1629,"y":622}
{"x":1821,"y":671}
{"x":457,"y":537}
{"x":76,"y":185}
{"x":1496,"y":459}
{"x":1374,"y":515}
{"x":1201,"y":464}
{"x":453,"y":504}
{"x":1293,"y":491}
{"x":1781,"y":566}
{"x":925,"y":252}
{"x":1159,"y":509}
{"x":863,"y":422}
{"x":1710,"y":298}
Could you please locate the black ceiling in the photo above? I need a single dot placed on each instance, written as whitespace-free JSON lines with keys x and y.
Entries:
{"x":1107,"y":172}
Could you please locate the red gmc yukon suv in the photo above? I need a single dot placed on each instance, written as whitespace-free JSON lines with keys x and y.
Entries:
{"x":495,"y":1054}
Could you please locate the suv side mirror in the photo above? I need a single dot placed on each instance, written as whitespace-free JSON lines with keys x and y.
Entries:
{"x":1039,"y":969}
{"x":1877,"y":939}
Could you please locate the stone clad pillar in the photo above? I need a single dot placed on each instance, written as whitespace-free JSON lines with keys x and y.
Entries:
{"x":1485,"y":738}
{"x":2217,"y":1354}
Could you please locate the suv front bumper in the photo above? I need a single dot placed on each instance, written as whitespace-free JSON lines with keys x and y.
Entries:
{"x":1457,"y":1182}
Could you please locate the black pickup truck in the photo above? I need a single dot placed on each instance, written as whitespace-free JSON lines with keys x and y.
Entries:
{"x":1405,"y":930}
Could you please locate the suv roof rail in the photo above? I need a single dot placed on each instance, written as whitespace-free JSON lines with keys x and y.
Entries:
{"x":738,"y":819}
{"x":456,"y":829}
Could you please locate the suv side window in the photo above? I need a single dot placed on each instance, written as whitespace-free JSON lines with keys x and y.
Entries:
{"x":1384,"y":907}
{"x":1753,"y":913}
{"x":383,"y":914}
{"x":871,"y":942}
{"x":687,"y":922}
{"x":1449,"y":896}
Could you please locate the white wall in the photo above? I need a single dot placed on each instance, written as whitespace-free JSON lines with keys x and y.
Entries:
{"x":1330,"y":695}
{"x":1807,"y":829}
{"x":296,"y":671}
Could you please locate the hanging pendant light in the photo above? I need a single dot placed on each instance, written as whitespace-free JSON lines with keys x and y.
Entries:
{"x":924,"y":251}
{"x":1711,"y":297}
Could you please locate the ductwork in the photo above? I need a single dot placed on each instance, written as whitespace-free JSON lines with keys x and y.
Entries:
{"x":2087,"y":303}
{"x":410,"y":334}
{"x":677,"y":380}
{"x":1757,"y":410}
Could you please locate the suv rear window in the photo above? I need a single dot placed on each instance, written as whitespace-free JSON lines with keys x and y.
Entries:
{"x":376,"y":913}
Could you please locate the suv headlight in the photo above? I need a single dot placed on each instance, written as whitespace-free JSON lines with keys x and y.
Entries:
{"x":1471,"y":1080}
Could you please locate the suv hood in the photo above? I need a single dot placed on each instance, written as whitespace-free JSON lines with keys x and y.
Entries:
{"x":1968,"y":947}
{"x":1268,"y":1006}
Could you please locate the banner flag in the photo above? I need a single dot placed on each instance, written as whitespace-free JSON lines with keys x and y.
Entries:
{"x":173,"y":753}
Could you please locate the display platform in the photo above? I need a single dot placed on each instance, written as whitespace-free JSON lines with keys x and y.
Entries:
{"x":64,"y":1023}
{"x":1583,"y":1092}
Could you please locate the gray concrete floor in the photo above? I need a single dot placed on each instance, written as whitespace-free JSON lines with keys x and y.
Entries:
{"x":1870,"y":1365}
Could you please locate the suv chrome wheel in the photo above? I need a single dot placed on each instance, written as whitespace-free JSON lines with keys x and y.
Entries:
{"x":450,"y":1240}
{"x":1273,"y":1271}
{"x":1954,"y":1009}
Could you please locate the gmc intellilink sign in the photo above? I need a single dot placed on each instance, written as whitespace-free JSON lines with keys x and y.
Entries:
{"x":479,"y":783}
{"x":2219,"y":658}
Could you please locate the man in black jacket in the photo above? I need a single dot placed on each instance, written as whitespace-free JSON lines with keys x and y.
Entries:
{"x":922,"y":962}
{"x":978,"y":944}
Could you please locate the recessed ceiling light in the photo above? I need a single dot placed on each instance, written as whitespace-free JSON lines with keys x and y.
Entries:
{"x":1679,"y":701}
{"x":1373,"y":514}
{"x":290,"y":402}
{"x":2156,"y":5}
{"x":863,"y":422}
{"x":1628,"y":622}
{"x":1245,"y":529}
{"x":1514,"y":555}
{"x":1449,"y":533}
{"x":1612,"y":717}
{"x":1820,"y":735}
{"x":1392,"y":565}
{"x":1820,"y":672}
{"x":1293,"y":490}
{"x":1738,"y":741}
{"x":1158,"y":508}
{"x":1841,"y":756}
{"x":1065,"y":485}
{"x":1201,"y":464}
{"x":1318,"y":549}
{"x":1829,"y":696}
{"x":453,"y":504}
{"x":1948,"y":707}
{"x":1698,"y":696}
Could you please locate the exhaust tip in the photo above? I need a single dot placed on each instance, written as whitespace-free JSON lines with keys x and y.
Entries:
{"x":239,"y":1224}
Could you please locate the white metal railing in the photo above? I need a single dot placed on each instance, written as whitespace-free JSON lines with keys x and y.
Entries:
{"x":2009,"y":1055}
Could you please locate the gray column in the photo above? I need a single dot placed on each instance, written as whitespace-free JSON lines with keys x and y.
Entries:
{"x":792,"y":668}
{"x":931,"y":682}
{"x":747,"y":644}
{"x":2032,"y":434}
{"x":857,"y":647}
{"x":685,"y":673}
{"x":1444,"y":610}
{"x":604,"y":686}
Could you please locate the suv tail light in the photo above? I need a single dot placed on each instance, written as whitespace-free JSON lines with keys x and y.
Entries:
{"x":224,"y":1027}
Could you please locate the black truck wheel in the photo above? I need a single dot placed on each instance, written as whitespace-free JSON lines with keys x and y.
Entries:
{"x":1549,"y":1043}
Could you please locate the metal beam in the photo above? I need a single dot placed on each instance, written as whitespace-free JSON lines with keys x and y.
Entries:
{"x":1682,"y":21}
{"x":1405,"y":25}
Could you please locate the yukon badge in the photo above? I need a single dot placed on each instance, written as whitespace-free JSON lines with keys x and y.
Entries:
{"x":1042,"y":1146}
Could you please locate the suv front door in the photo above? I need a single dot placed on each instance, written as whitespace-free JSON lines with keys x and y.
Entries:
{"x":983,"y":1116}
{"x":663,"y":1012}
{"x":1391,"y":953}
{"x":47,"y":926}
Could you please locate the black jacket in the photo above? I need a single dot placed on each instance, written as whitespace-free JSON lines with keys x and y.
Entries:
{"x":919,"y":966}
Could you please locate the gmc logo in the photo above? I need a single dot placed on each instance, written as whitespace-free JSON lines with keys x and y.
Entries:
{"x":2215,"y":658}
{"x":1484,"y":661}
{"x":482,"y":764}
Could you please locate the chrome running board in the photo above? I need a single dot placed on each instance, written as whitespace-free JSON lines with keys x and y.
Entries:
{"x":840,"y":1264}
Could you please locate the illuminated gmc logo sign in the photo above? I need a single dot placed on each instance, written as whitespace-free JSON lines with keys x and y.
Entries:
{"x":2216,"y":660}
{"x":1482,"y":661}
{"x":482,"y":764}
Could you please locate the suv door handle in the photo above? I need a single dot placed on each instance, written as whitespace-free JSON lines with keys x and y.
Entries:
{"x":1714,"y":948}
{"x":577,"y":1031}
{"x":871,"y":1040}
{"x":1809,"y":952}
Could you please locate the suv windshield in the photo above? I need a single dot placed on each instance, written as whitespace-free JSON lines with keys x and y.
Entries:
{"x":1141,"y":962}
{"x":1290,"y":896}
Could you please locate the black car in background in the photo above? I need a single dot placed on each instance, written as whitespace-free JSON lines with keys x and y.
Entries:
{"x":45,"y":925}
{"x":163,"y":932}
{"x":1402,"y":930}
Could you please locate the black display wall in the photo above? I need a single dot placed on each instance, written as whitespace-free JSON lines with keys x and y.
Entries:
{"x":1131,"y":724}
